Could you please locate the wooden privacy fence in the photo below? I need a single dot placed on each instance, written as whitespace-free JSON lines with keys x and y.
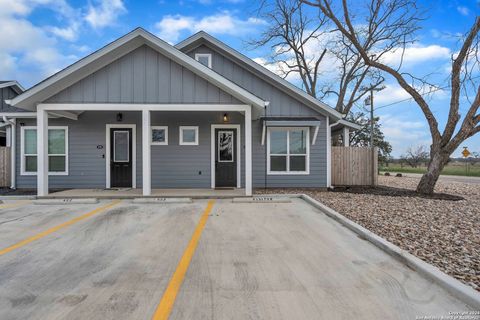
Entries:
{"x":354,"y":166}
{"x":5,"y":166}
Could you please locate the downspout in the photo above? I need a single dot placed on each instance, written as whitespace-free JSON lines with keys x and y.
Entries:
{"x":267,"y":103}
{"x":13,"y":147}
{"x":329,"y":151}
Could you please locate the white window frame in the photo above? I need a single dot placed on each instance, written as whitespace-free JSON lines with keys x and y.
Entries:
{"x":23,"y":172}
{"x":165,"y":143}
{"x":307,"y":155}
{"x":181,"y":142}
{"x":204,"y":55}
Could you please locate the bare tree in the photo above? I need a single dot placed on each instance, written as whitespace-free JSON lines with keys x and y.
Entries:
{"x":395,"y":22}
{"x":300,"y":42}
{"x":415,"y":156}
{"x":289,"y":36}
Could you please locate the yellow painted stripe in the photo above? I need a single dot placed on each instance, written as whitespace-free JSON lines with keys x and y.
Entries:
{"x":58,"y":227}
{"x":15,"y":204}
{"x":166,"y":304}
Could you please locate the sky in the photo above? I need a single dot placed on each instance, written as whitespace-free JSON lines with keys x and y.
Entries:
{"x":40,"y":37}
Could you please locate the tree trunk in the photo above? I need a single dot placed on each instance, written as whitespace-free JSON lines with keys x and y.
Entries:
{"x":438,"y":160}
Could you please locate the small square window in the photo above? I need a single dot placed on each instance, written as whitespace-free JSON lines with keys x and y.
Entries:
{"x":204,"y":58}
{"x":159,"y":135}
{"x":189,"y":136}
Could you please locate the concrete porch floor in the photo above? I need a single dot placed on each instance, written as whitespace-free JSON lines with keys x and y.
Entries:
{"x":129,"y":193}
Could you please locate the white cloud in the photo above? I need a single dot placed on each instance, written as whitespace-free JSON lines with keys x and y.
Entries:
{"x":403,"y":132}
{"x":464,"y":11}
{"x":417,"y":54}
{"x":171,"y":26}
{"x":105,"y":13}
{"x":29,"y":52}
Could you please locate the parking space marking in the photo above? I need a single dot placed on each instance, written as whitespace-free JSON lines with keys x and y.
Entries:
{"x":166,"y":303}
{"x":15,"y":204}
{"x":58,"y":227}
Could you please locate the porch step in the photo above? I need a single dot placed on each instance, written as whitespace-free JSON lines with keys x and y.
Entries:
{"x":262,"y":199}
{"x":66,"y":201}
{"x":162,"y":200}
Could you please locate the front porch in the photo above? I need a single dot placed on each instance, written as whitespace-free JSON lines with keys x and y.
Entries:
{"x":153,"y":168}
{"x":130,"y":193}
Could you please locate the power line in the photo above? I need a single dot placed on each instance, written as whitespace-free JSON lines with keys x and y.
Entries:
{"x":423,"y":94}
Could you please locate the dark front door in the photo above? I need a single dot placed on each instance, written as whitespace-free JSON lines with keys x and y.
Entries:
{"x":225,"y":158}
{"x":120,"y":157}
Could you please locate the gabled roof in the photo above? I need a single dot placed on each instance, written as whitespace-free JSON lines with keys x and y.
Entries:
{"x":202,"y":37}
{"x":13,"y":84}
{"x":115,"y":50}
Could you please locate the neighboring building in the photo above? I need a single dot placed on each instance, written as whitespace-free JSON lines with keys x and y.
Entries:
{"x":141,"y":113}
{"x":8,"y":90}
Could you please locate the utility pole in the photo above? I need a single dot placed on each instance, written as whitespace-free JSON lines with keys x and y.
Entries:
{"x":369,"y":102}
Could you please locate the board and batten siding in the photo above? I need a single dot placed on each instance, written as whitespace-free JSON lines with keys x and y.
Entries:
{"x":8,"y":93}
{"x":281,"y":105}
{"x":143,"y":76}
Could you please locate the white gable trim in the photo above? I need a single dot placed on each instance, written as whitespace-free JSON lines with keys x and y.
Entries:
{"x":116,"y":49}
{"x":274,"y":79}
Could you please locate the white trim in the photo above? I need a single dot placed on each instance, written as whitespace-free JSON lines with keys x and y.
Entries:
{"x":315,"y":134}
{"x":264,"y":73}
{"x":346,"y":136}
{"x":212,"y":153}
{"x":147,"y":153}
{"x":115,"y":146}
{"x":13,"y":155}
{"x":109,"y":126}
{"x":99,"y":59}
{"x":248,"y":152}
{"x":329,"y":153}
{"x":22,"y":152}
{"x":13,"y":83}
{"x":164,"y":143}
{"x":180,"y":139}
{"x":207,"y":55}
{"x":140,"y":107}
{"x":264,"y":129}
{"x":42,"y":153}
{"x":288,"y":154}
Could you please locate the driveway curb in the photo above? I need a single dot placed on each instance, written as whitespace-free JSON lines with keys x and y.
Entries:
{"x":461,"y":291}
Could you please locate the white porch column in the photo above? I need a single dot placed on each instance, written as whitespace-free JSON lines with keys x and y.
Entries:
{"x":42,"y":153}
{"x":146,"y":153}
{"x":346,"y":136}
{"x":248,"y":151}
{"x":329,"y":153}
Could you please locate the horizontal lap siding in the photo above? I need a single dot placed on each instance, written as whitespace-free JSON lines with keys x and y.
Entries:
{"x":173,"y":166}
{"x":281,"y":104}
{"x":143,"y":76}
{"x":7,"y":94}
{"x":86,"y":162}
{"x":176,"y":166}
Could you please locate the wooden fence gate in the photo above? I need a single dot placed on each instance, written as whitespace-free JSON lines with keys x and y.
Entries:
{"x":354,"y":166}
{"x":5,"y":166}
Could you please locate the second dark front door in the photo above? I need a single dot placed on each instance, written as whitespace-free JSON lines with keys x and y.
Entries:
{"x":225,"y":158}
{"x":121,"y":157}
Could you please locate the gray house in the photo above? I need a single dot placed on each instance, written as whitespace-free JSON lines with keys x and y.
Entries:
{"x":140,"y":113}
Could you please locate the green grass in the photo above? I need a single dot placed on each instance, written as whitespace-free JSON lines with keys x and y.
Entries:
{"x":452,"y":170}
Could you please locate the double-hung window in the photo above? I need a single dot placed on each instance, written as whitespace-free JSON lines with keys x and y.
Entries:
{"x":57,"y":150}
{"x":288,"y":150}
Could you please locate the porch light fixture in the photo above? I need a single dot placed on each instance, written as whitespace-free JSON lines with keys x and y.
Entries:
{"x":119,"y":117}
{"x":225,"y":117}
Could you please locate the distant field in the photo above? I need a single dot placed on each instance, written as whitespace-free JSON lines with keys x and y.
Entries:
{"x":453,"y":170}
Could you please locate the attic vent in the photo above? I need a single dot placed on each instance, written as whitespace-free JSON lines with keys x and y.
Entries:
{"x":204,"y":58}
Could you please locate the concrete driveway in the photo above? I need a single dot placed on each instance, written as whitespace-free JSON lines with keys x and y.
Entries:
{"x":200,"y":261}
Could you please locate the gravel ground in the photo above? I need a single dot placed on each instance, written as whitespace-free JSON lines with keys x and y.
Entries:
{"x":444,"y":233}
